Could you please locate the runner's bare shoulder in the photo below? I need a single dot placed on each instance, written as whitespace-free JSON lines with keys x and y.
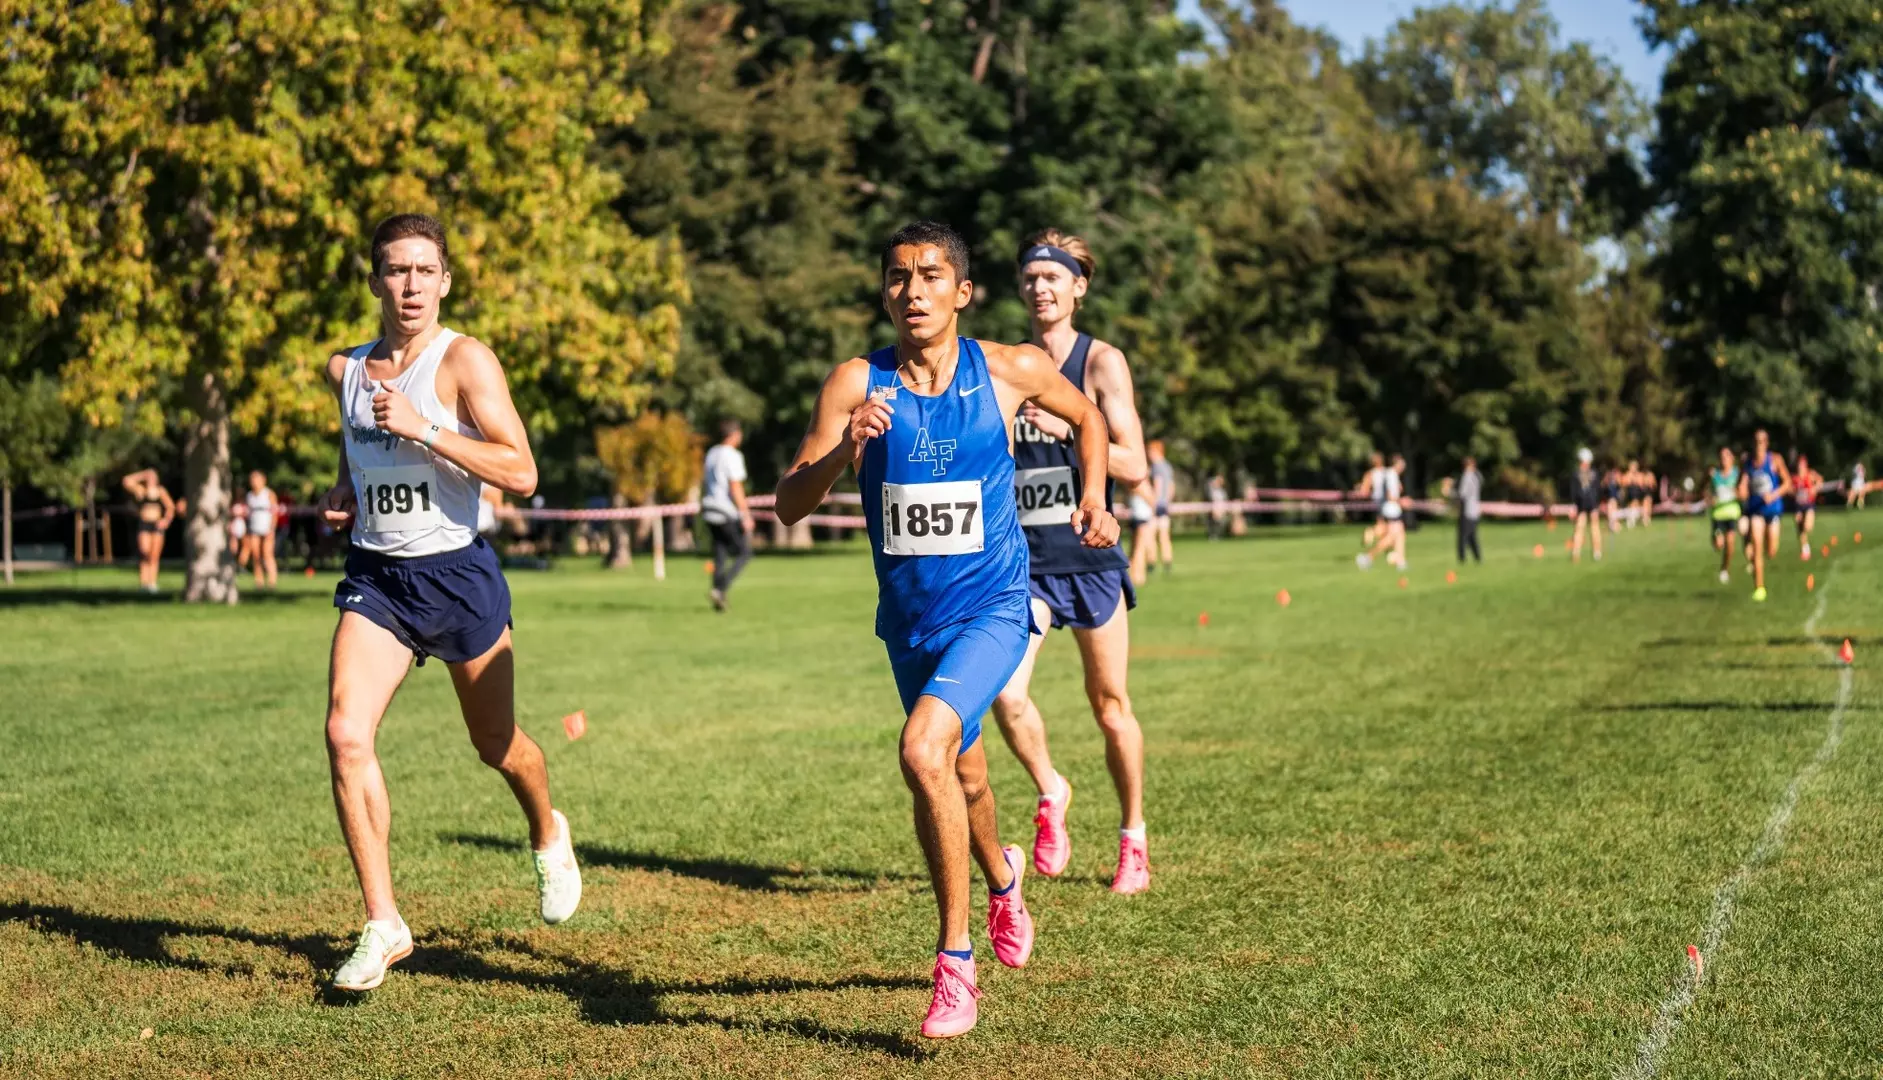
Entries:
{"x":1013,"y":364}
{"x":847,"y":384}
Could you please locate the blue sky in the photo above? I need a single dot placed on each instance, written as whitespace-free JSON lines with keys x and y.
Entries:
{"x":1607,"y":25}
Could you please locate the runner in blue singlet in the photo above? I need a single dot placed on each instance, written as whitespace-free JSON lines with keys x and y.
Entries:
{"x":926,"y":423}
{"x":1764,"y":486}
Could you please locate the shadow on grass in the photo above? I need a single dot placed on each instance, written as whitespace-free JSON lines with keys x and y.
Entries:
{"x":1724,"y":706}
{"x":42,"y":596}
{"x":753,"y":877}
{"x":604,"y":996}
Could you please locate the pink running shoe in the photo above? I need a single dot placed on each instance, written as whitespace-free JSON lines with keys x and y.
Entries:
{"x":1052,"y":844}
{"x":952,"y":1011}
{"x":1134,"y":867}
{"x":1009,"y":925}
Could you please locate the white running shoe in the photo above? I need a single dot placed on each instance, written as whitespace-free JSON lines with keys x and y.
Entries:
{"x":1363,"y":561}
{"x":1725,"y":577}
{"x":380,"y":947}
{"x":558,"y":879}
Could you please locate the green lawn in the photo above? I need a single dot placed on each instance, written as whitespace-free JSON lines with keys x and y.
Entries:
{"x":1444,"y":830}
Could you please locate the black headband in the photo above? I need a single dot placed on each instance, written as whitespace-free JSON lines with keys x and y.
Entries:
{"x":1049,"y":253}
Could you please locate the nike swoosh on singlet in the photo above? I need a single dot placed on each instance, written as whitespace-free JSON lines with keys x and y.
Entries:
{"x":969,"y":390}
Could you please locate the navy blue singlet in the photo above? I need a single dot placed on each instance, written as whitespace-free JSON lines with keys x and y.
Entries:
{"x":1049,"y":482}
{"x":938,"y":496}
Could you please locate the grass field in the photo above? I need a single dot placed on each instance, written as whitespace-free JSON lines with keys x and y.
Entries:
{"x":1442,"y":831}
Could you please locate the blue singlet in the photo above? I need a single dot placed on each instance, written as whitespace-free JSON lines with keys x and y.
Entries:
{"x":951,"y":560}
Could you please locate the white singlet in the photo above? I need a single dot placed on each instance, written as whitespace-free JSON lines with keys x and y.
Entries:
{"x":410,"y":502}
{"x":1386,"y":492}
{"x":261,"y":514}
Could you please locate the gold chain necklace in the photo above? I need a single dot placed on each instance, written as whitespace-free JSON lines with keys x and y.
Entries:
{"x":902,"y":370}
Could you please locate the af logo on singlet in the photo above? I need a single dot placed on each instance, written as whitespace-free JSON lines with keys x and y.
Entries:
{"x":938,"y":452}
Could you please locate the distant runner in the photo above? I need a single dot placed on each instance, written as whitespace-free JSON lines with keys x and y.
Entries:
{"x":1763,"y":487}
{"x":723,"y":506}
{"x":1382,"y":486}
{"x":1723,"y":485}
{"x":1804,"y":501}
{"x":1585,"y":495}
{"x":155,"y":510}
{"x":258,"y":546}
{"x":1164,"y":487}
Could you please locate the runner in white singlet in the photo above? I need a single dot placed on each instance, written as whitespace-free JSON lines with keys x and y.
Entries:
{"x":427,"y":420}
{"x":258,"y":539}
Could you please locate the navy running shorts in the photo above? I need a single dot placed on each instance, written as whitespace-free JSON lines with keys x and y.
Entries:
{"x":966,"y":665}
{"x":453,"y":605}
{"x":1084,"y":601}
{"x":1771,"y":511}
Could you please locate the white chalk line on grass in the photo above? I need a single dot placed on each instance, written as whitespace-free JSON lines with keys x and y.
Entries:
{"x":1647,"y":1059}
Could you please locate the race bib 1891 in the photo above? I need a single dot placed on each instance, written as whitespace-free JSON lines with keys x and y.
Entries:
{"x":933,"y":519}
{"x":398,"y":498}
{"x":1045,"y":496}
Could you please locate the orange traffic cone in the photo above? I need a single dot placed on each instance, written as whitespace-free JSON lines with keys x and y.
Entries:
{"x":1451,"y":577}
{"x":1203,"y":618}
{"x":1537,"y":551}
{"x":575,"y":725}
{"x":1847,"y":654}
{"x":1402,"y":583}
{"x":1811,"y":582}
{"x":1283,"y":598}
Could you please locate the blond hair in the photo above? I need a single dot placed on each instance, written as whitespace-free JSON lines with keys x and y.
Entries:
{"x":1065,"y":241}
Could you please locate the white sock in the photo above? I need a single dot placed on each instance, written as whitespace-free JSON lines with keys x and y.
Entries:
{"x":1064,"y":790}
{"x":1133,"y":834}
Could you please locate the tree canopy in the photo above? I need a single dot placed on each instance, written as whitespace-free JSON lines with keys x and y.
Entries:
{"x":1474,"y":238}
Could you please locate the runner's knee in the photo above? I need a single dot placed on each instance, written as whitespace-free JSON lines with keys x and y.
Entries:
{"x":1010,"y":704}
{"x":925,"y":761}
{"x":1112,"y":710}
{"x":494,"y":746}
{"x":349,"y":741}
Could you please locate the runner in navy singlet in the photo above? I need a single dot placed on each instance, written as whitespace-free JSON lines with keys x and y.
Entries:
{"x":1085,"y":589}
{"x":926,"y":424}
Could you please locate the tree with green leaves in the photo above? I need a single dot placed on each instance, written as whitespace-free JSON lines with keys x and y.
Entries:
{"x":743,"y":156}
{"x":1005,"y":116}
{"x":33,"y":423}
{"x":218,"y":167}
{"x":1766,"y":157}
{"x":1500,"y":101}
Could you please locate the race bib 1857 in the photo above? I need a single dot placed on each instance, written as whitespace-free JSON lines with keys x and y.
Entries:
{"x":398,"y":498}
{"x":1045,"y":496}
{"x":933,"y":519}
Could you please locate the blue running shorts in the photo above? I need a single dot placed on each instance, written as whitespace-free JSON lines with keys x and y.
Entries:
{"x":453,"y":605}
{"x":1084,"y":601}
{"x":965,"y":665}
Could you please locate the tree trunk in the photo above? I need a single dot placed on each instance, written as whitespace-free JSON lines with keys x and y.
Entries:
{"x":211,"y":575}
{"x":620,"y":552}
{"x":6,"y":529}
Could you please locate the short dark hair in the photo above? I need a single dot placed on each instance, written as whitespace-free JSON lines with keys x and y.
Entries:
{"x":405,"y":226}
{"x":729,"y":427}
{"x":921,"y":233}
